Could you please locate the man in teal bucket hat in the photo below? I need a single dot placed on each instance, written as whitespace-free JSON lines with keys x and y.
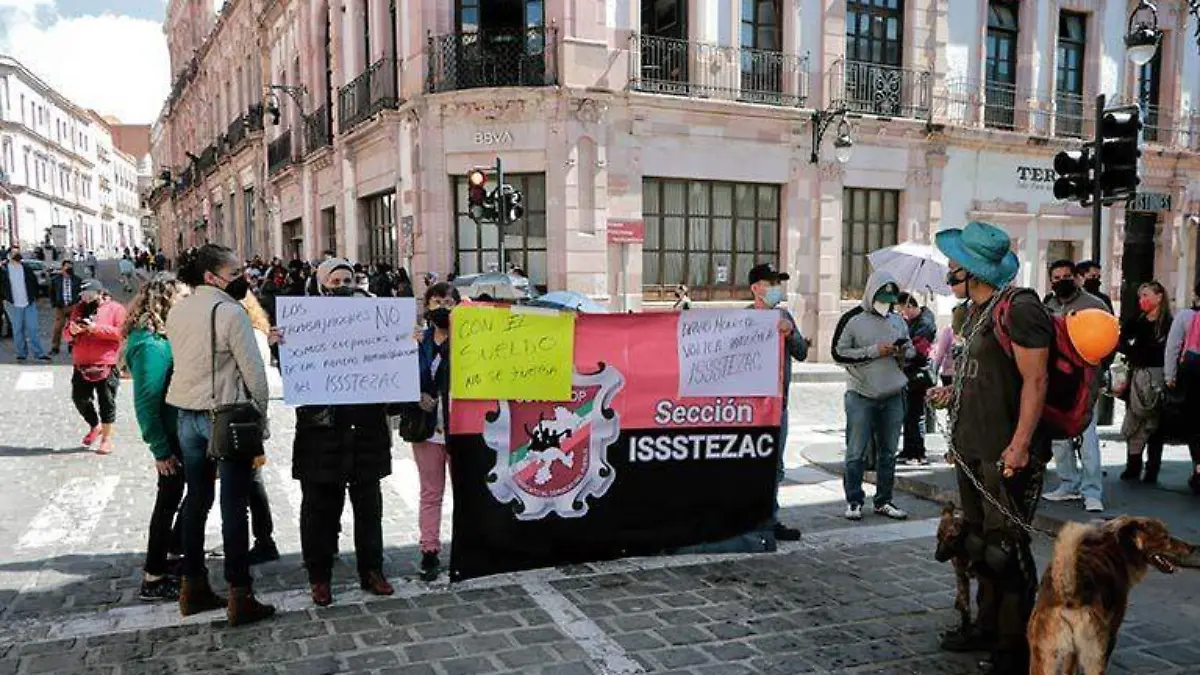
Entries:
{"x":994,"y":431}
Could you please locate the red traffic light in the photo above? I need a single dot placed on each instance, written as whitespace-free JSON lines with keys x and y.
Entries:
{"x":476,"y":178}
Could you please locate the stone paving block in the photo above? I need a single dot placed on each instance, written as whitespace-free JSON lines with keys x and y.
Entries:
{"x":328,"y":644}
{"x":52,"y":662}
{"x":680,"y":617}
{"x":429,"y":651}
{"x":679,"y":657}
{"x":682,"y":635}
{"x":300,"y":631}
{"x":639,"y":641}
{"x":410,"y":669}
{"x":118,"y":653}
{"x":155,"y":667}
{"x":273,"y":652}
{"x":494,"y":622}
{"x":730,"y":651}
{"x":217,"y":660}
{"x":483,"y":644}
{"x":573,"y":668}
{"x":467,"y":665}
{"x":370,"y":660}
{"x":409,"y":617}
{"x":533,"y":636}
{"x":728,"y":630}
{"x":534,"y":617}
{"x":384,"y":637}
{"x":723,"y":669}
{"x":355,"y":624}
{"x":438,"y":629}
{"x":524,"y":657}
{"x":459,"y":612}
{"x":1178,"y":654}
{"x":50,"y":647}
{"x":320,"y":665}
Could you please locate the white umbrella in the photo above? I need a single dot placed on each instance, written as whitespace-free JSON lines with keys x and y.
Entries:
{"x":917,"y":267}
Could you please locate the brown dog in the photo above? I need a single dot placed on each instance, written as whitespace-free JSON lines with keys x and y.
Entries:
{"x":951,"y":546}
{"x":1085,"y":590}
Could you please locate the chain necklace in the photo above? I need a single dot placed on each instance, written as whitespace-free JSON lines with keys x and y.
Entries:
{"x":960,"y":363}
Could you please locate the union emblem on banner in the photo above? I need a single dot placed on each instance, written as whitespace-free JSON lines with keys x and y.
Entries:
{"x":552,"y":457}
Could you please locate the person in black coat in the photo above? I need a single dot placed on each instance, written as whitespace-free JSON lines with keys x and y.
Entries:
{"x":64,"y":294}
{"x":340,"y":449}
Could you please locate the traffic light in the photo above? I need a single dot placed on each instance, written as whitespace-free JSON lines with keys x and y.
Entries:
{"x":511,"y":207}
{"x":477,"y":195}
{"x":1074,"y":169}
{"x":1120,"y":133}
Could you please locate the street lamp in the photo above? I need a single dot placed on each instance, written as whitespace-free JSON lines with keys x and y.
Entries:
{"x":272,"y":107}
{"x":843,"y":145}
{"x":1142,"y":40}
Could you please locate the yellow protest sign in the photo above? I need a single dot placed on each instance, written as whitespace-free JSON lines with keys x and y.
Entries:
{"x":511,"y":353}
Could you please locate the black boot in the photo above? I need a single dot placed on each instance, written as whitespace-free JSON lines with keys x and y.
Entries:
{"x":1154,"y":452}
{"x":1133,"y":467}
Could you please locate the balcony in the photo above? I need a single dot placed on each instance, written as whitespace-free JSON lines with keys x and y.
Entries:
{"x":875,"y":89}
{"x":1161,"y":125}
{"x":1069,"y":115}
{"x":208,"y":159}
{"x":660,"y":65}
{"x":279,"y":153}
{"x":236,"y":134}
{"x":372,"y":91}
{"x":521,"y":57}
{"x":317,"y":130}
{"x":254,"y":117}
{"x":106,"y":212}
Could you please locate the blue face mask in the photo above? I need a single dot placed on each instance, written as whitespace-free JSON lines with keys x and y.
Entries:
{"x":774,"y":296}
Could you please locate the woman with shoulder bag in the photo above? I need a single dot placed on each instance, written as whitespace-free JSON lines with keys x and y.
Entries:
{"x":430,"y":453}
{"x":220,"y":388}
{"x":1143,"y":341}
{"x":340,"y":449}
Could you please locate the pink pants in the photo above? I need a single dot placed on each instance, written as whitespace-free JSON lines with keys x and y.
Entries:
{"x":432,"y":462}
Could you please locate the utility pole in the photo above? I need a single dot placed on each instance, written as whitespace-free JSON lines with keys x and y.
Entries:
{"x":502,"y":212}
{"x":1097,"y":188}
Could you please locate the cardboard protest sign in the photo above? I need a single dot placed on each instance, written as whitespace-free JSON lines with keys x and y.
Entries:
{"x":625,"y":466}
{"x":729,"y":352}
{"x":511,"y":353}
{"x":339,"y":351}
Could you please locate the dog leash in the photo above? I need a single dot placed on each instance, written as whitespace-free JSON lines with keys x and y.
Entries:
{"x":960,"y":462}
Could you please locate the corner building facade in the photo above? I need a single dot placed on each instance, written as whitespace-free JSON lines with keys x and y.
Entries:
{"x":694,"y":117}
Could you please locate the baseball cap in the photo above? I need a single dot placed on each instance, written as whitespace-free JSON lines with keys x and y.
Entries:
{"x":767,"y":272}
{"x":91,"y":286}
{"x":888,"y":292}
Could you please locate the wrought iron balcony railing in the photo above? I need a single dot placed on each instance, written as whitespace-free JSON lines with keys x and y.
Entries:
{"x":1177,"y":129}
{"x":661,"y":65}
{"x":994,"y":105}
{"x":876,"y":89}
{"x":208,"y":159}
{"x":492,"y":58}
{"x":317,"y":130}
{"x":255,"y":115}
{"x":236,"y":134}
{"x":279,"y":153}
{"x":373,"y":90}
{"x":1069,"y":115}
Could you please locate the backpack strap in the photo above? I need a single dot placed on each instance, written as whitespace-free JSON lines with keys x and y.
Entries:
{"x":1000,"y":316}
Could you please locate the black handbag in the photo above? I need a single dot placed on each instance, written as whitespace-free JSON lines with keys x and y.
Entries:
{"x":237,"y":428}
{"x":413,"y":424}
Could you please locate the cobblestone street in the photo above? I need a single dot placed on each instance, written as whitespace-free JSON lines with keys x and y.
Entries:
{"x":850,"y":598}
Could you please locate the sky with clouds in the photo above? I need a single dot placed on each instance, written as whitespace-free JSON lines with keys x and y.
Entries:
{"x":109,"y":55}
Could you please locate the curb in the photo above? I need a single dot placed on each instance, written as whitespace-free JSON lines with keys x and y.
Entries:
{"x":931,"y":493}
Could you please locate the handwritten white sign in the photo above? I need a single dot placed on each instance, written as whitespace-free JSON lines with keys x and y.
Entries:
{"x":731,"y":352}
{"x":339,"y":351}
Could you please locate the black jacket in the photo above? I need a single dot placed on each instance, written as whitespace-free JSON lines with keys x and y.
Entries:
{"x":32,"y":290}
{"x":56,"y":291}
{"x":342,"y":443}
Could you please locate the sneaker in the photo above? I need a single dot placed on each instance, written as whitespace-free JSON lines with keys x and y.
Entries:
{"x":91,"y":437}
{"x":20,"y":359}
{"x":785,"y":533}
{"x":106,"y":448}
{"x":917,"y":461}
{"x":45,"y":358}
{"x":1062,"y":494}
{"x":890,"y":511}
{"x":430,"y":566}
{"x":854,"y":512}
{"x":1093,"y":505}
{"x":164,"y":589}
{"x":263,"y":552}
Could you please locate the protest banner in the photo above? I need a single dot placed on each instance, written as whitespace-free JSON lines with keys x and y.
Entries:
{"x":729,"y":352}
{"x":339,"y":351}
{"x":511,"y":353}
{"x":625,"y":467}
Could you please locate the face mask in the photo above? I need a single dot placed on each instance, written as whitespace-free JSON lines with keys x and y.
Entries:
{"x":1091,"y":285}
{"x":238,"y":288}
{"x":1064,"y":288}
{"x":883,"y":307}
{"x":773,"y":296}
{"x":1147,"y":305}
{"x":340,"y":291}
{"x":440,"y":317}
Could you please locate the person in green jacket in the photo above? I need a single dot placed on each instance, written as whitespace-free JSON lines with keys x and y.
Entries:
{"x":148,"y":358}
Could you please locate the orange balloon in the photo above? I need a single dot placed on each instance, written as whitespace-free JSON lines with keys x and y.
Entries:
{"x":1094,"y":333}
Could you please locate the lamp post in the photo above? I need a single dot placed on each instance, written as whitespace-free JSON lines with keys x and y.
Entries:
{"x":297,"y":94}
{"x":1143,"y":38}
{"x":843,"y":145}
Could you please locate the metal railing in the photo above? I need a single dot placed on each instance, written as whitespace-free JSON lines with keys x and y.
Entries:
{"x":373,"y":90}
{"x":236,"y":134}
{"x":492,"y":58}
{"x":208,"y":159}
{"x":876,"y":89}
{"x":317,"y":130}
{"x":1069,"y":115}
{"x":1161,"y":125}
{"x":661,"y":65}
{"x":995,"y":105}
{"x":255,"y":115}
{"x":279,"y":153}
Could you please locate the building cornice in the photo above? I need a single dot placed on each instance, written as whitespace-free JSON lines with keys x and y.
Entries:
{"x":18,"y":126}
{"x":17,"y":190}
{"x":40,"y":86}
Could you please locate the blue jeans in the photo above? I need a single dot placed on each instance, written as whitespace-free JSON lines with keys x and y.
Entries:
{"x":867,"y":419}
{"x":1089,"y":481}
{"x":237,"y":481}
{"x":24,"y":322}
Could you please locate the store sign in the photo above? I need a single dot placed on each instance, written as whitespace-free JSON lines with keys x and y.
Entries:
{"x":1036,"y":177}
{"x":493,"y":137}
{"x":626,"y":231}
{"x":1149,"y":202}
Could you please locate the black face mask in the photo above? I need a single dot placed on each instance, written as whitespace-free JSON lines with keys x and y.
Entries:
{"x":238,"y":288}
{"x":1091,"y":285}
{"x":1065,"y":288}
{"x":340,"y":291}
{"x":440,"y":317}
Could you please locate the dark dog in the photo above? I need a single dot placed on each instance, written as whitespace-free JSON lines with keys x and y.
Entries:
{"x":1085,"y":590}
{"x":951,"y":546}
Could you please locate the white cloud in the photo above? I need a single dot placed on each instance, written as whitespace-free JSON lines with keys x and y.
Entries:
{"x":117,"y":65}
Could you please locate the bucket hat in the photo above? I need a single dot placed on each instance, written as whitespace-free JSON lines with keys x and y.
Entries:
{"x":982,"y":249}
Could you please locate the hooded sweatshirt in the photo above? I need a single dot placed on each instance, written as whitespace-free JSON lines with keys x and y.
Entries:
{"x":148,"y":356}
{"x":856,"y":343}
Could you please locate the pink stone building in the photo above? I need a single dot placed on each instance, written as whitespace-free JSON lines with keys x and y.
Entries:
{"x":693,"y":116}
